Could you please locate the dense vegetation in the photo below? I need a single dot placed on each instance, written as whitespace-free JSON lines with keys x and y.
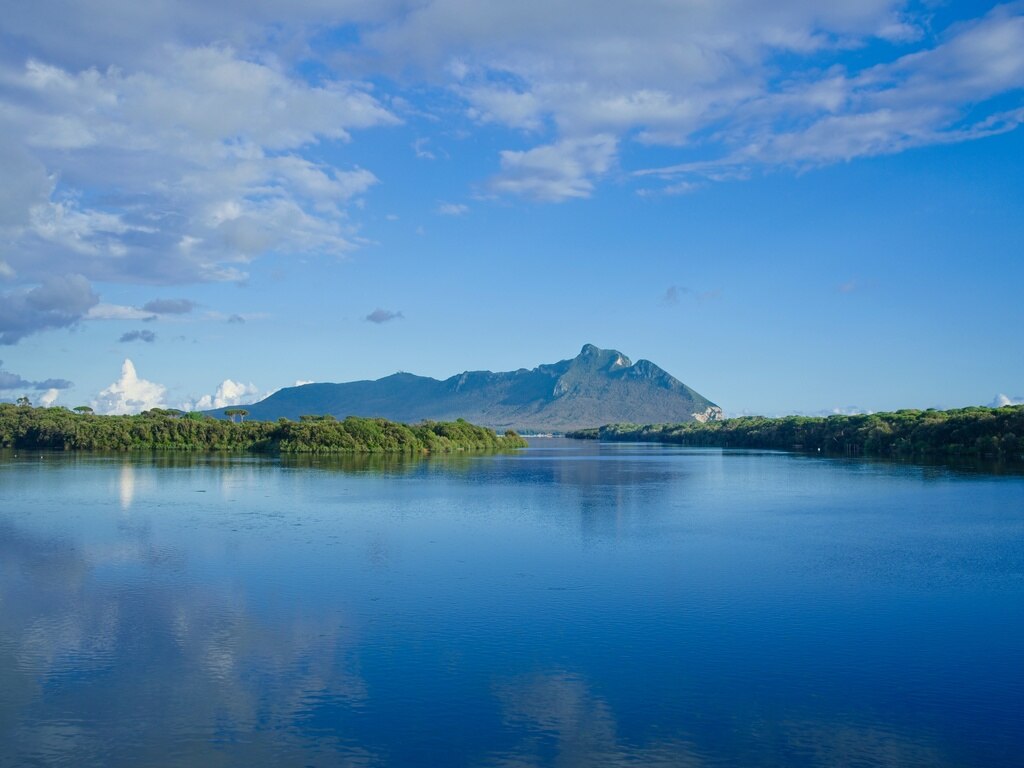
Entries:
{"x":979,"y":432}
{"x":60,"y":429}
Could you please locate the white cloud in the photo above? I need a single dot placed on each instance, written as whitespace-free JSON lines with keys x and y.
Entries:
{"x":556,"y":172}
{"x":128,"y":34}
{"x":104,"y":311}
{"x":749,"y":85}
{"x":49,"y":397}
{"x":130,"y":394}
{"x":419,"y":148}
{"x":931,"y":96}
{"x":196,"y":110}
{"x":26,"y":183}
{"x":681,"y":188}
{"x":1000,"y":400}
{"x":228,"y":393}
{"x":452,"y":209}
{"x":490,"y":104}
{"x":201,"y":152}
{"x":659,"y":73}
{"x":839,"y":410}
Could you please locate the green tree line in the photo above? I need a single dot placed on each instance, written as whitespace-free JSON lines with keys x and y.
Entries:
{"x":996,"y":433}
{"x":60,"y":429}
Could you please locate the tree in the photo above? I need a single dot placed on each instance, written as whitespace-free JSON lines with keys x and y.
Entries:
{"x":23,"y":401}
{"x":231,"y":413}
{"x":83,"y":409}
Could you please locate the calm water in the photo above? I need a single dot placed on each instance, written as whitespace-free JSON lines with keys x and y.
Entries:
{"x":571,"y":605}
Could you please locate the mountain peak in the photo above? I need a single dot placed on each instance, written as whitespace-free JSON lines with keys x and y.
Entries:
{"x":598,"y":386}
{"x":602,"y":358}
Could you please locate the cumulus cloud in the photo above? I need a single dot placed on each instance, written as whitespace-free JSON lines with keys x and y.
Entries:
{"x":147,"y":336}
{"x":739,"y":86}
{"x":130,"y":393}
{"x":228,"y":393}
{"x":126,"y":34}
{"x":379,"y":316}
{"x":490,"y":104}
{"x":1000,"y":400}
{"x":9,"y":380}
{"x":49,"y":397}
{"x":198,"y":155}
{"x":57,"y":302}
{"x":203,"y":137}
{"x":169,"y":306}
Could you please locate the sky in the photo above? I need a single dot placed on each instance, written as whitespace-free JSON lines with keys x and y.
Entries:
{"x":791,"y":206}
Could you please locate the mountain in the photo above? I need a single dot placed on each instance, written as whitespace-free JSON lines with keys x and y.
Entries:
{"x":598,"y":386}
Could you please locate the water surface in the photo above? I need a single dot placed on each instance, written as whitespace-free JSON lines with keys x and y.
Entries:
{"x":574,"y":604}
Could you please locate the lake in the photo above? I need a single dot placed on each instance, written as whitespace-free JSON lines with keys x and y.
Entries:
{"x":574,"y":604}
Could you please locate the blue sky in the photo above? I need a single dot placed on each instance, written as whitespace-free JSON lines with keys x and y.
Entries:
{"x":790,"y":207}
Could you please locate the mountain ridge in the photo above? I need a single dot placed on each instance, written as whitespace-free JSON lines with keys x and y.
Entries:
{"x":598,"y":386}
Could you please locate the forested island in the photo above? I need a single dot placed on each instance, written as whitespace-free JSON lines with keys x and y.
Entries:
{"x":992,"y":433}
{"x":25,"y":427}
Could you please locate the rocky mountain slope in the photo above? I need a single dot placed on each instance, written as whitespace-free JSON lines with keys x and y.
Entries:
{"x":598,"y":386}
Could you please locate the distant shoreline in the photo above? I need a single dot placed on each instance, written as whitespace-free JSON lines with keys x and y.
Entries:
{"x":976,"y":432}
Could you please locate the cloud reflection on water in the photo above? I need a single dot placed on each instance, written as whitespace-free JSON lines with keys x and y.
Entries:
{"x":557,"y":714}
{"x":111,"y":671}
{"x":561,"y":721}
{"x":126,"y":485}
{"x":324,"y":611}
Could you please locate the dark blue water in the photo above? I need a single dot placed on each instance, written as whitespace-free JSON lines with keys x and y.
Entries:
{"x":571,"y":605}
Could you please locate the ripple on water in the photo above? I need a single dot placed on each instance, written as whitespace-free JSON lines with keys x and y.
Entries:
{"x":559,"y":607}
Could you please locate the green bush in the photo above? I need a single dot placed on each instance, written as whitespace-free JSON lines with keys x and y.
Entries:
{"x":61,"y":429}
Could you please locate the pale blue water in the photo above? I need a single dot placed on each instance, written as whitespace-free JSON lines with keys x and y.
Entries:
{"x":571,"y":605}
